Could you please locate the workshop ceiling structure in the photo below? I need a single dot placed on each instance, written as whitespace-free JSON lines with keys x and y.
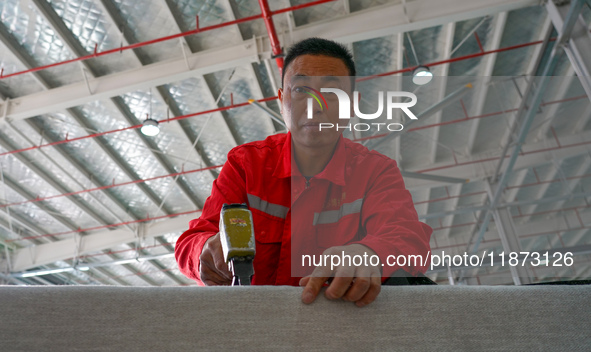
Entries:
{"x":87,"y":199}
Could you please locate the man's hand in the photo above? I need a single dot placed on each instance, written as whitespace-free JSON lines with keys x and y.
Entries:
{"x":359,"y":284}
{"x":213,"y":270}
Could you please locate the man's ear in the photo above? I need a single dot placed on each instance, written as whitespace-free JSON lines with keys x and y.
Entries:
{"x":280,"y":95}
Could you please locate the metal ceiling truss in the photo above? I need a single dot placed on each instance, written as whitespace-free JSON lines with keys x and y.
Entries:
{"x":103,"y":145}
{"x":368,"y":24}
{"x":500,"y":21}
{"x":529,"y":115}
{"x":448,"y":35}
{"x":373,"y":23}
{"x":76,"y":48}
{"x":114,"y":17}
{"x":28,"y":61}
{"x":578,"y":46}
{"x":210,"y":95}
{"x":27,"y":258}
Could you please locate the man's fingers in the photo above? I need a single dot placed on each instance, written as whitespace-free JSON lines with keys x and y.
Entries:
{"x":222,"y":267}
{"x":341,"y":282}
{"x":215,"y":283}
{"x":312,"y":288}
{"x":212,"y":254}
{"x":315,"y":282}
{"x":374,"y":290}
{"x":304,"y":281}
{"x":209,"y":273}
{"x":338,"y":287}
{"x":361,"y":285}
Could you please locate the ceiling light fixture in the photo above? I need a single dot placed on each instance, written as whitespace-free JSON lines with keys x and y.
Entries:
{"x":422,"y":75}
{"x":150,"y":127}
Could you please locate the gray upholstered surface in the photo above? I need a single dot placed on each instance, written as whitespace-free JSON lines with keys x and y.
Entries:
{"x":538,"y":318}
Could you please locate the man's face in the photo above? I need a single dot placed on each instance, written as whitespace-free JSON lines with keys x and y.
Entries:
{"x":313,"y":71}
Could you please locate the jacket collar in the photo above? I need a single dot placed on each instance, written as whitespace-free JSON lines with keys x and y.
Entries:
{"x":333,"y":172}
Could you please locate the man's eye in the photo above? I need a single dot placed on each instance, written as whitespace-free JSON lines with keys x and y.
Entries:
{"x":299,"y":90}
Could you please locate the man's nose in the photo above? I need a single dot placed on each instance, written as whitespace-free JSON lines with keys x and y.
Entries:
{"x":314,"y":107}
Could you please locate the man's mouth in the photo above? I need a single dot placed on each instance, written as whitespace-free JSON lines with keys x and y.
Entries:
{"x":311,"y":124}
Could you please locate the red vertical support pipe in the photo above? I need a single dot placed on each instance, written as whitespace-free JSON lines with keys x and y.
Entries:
{"x":275,"y":45}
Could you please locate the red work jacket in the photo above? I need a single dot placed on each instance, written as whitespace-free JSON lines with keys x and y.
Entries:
{"x":359,"y":197}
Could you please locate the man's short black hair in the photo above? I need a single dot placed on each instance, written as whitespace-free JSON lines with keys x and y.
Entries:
{"x":319,"y":46}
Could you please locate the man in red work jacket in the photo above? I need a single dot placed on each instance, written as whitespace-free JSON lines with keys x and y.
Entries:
{"x":314,"y":195}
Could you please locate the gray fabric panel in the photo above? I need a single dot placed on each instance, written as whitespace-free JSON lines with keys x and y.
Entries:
{"x":442,"y":318}
{"x":276,"y":210}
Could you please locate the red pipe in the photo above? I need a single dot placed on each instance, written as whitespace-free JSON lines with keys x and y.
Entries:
{"x":576,"y":209}
{"x":450,"y":197}
{"x":496,"y":158}
{"x":273,"y":98}
{"x":297,"y":7}
{"x":123,"y":250}
{"x":217,"y":166}
{"x":106,"y":226}
{"x":134,"y":127}
{"x":164,"y":244}
{"x":549,"y":181}
{"x":451,"y":122}
{"x":275,"y":45}
{"x":269,"y":99}
{"x":163,"y":39}
{"x":195,"y":211}
{"x":434,"y":248}
{"x":498,"y":239}
{"x":460,"y":58}
{"x":40,"y":199}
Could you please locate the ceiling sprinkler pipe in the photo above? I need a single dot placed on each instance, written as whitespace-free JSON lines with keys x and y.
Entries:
{"x":408,"y":69}
{"x":163,"y":39}
{"x":275,"y":44}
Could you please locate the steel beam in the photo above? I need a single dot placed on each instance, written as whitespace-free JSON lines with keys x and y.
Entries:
{"x":114,"y":18}
{"x":473,"y":209}
{"x":41,"y":205}
{"x":392,"y":19}
{"x":28,"y":61}
{"x":50,"y":252}
{"x":583,"y":120}
{"x":489,"y":64}
{"x":542,"y":189}
{"x":509,"y":239}
{"x":43,"y":174}
{"x":573,"y":14}
{"x":76,"y":48}
{"x":448,"y":34}
{"x":74,"y":180}
{"x":530,"y":76}
{"x":578,"y":47}
{"x":482,"y":166}
{"x":209,"y":92}
{"x":551,"y":113}
{"x":152,"y":75}
{"x":372,"y":23}
{"x":571,"y":186}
